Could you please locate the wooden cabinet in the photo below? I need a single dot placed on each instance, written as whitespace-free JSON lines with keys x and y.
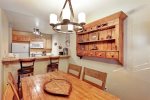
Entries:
{"x":114,"y":55}
{"x":91,"y":53}
{"x":19,"y":36}
{"x":103,"y":38}
{"x":48,"y":43}
{"x":100,"y":54}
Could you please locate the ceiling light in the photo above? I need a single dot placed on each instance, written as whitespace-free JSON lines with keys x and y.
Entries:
{"x":36,"y":31}
{"x":66,"y":18}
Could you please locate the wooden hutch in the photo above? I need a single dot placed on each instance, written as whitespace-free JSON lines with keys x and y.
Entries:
{"x":103,"y":38}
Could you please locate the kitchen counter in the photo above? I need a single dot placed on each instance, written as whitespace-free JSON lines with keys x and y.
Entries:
{"x":40,"y":67}
{"x":7,"y":61}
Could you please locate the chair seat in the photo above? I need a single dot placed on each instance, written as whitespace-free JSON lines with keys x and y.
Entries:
{"x":53,"y":65}
{"x":25,"y":70}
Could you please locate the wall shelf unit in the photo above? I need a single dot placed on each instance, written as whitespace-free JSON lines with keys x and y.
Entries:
{"x":103,"y":38}
{"x":101,"y":28}
{"x":107,"y":40}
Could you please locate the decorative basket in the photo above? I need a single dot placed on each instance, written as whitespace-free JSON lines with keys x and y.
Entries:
{"x":60,"y":87}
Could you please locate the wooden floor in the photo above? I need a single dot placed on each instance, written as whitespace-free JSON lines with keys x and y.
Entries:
{"x":33,"y":88}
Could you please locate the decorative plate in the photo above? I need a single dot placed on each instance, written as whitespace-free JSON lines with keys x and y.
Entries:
{"x":60,"y":87}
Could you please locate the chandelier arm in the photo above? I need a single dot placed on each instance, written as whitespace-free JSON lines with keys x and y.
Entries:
{"x":63,"y":8}
{"x":54,"y":27}
{"x":62,"y":32}
{"x":70,"y":5}
{"x":73,"y":23}
{"x":77,"y":24}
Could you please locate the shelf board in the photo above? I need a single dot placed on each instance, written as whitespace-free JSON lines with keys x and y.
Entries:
{"x":103,"y":50}
{"x":99,"y":29}
{"x":106,"y":50}
{"x":96,"y":41}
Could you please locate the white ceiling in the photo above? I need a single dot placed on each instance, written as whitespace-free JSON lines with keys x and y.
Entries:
{"x":26,"y":14}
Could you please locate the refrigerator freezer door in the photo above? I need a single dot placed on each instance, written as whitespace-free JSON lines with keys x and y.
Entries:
{"x":20,"y":48}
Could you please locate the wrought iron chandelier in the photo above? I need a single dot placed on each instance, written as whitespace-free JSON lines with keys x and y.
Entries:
{"x":66,"y":18}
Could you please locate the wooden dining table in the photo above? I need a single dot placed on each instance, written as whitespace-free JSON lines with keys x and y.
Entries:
{"x":32,"y":88}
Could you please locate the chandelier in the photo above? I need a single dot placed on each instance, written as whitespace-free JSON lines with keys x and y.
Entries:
{"x":65,"y":23}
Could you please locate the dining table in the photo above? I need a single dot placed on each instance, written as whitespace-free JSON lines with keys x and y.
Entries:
{"x":32,"y":88}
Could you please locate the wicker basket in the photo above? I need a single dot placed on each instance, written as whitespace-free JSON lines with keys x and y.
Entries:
{"x":60,"y":87}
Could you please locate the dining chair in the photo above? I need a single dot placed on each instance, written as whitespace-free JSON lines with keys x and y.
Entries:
{"x":12,"y":80}
{"x":54,"y":63}
{"x":95,"y":74}
{"x":10,"y":92}
{"x":74,"y":68}
{"x":27,"y":68}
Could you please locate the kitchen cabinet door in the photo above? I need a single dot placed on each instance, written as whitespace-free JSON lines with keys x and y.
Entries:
{"x":48,"y":44}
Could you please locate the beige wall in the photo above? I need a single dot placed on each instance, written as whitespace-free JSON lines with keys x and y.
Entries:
{"x":4,"y":42}
{"x":130,"y":82}
{"x":0,"y":56}
{"x":60,"y":40}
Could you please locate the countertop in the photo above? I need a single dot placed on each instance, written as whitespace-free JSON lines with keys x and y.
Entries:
{"x":10,"y":60}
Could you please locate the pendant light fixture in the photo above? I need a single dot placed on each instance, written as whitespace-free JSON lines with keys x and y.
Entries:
{"x":66,"y":18}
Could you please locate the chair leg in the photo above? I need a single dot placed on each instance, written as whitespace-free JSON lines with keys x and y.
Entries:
{"x":18,"y":81}
{"x":57,"y":68}
{"x":20,"y":92}
{"x":47,"y":69}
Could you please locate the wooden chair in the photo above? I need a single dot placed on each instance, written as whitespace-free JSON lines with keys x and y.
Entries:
{"x":12,"y":80}
{"x":54,"y":63}
{"x":75,"y":68}
{"x":95,"y":74}
{"x":10,"y":93}
{"x":27,"y":68}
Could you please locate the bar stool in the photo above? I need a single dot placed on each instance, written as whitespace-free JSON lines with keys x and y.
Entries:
{"x":54,"y":62}
{"x":27,"y":68}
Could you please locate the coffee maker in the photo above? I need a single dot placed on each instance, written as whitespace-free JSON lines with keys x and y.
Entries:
{"x":65,"y":51}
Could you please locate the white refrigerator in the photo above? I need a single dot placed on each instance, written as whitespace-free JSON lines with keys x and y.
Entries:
{"x":21,"y":49}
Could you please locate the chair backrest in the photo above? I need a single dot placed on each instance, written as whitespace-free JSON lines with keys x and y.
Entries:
{"x":10,"y":93}
{"x":97,"y":75}
{"x":12,"y":80}
{"x":74,"y":68}
{"x":26,"y":63}
{"x":54,"y":59}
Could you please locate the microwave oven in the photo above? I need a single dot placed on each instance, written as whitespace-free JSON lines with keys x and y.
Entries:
{"x":36,"y":45}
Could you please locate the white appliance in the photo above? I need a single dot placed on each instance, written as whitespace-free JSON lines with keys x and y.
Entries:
{"x":36,"y":54}
{"x":21,"y":49}
{"x":36,"y":44}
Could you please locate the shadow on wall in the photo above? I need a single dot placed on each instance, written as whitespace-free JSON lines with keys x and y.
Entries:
{"x":104,"y":60}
